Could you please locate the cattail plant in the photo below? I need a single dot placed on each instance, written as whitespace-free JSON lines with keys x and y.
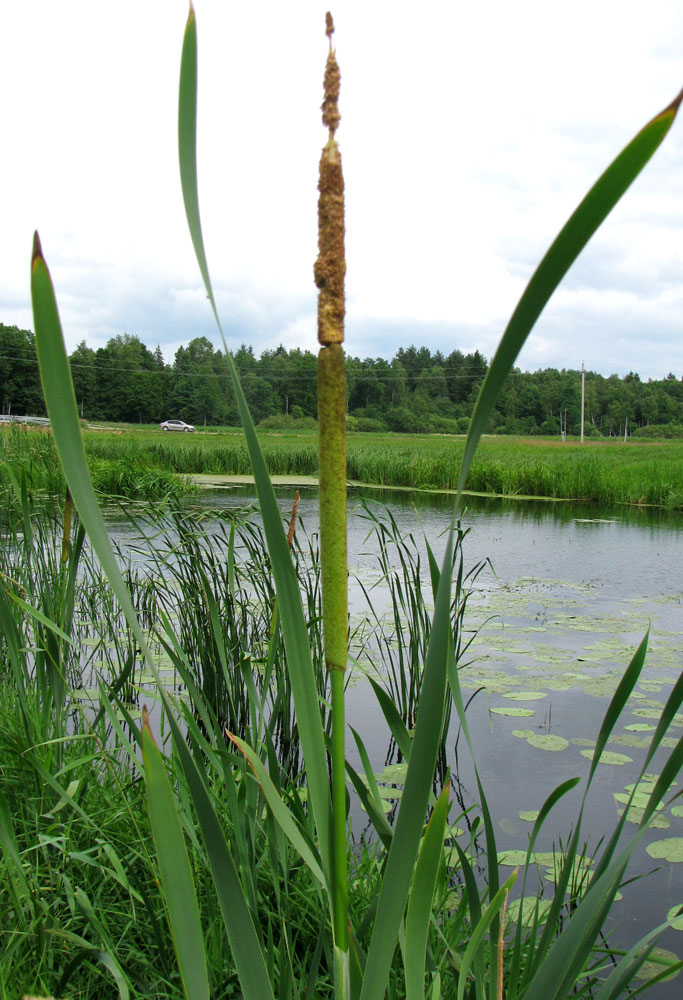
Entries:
{"x":330,"y":269}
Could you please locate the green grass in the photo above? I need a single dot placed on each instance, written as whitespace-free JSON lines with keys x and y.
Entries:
{"x":604,"y":472}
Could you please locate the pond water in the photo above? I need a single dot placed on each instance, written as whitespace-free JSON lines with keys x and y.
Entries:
{"x":554,"y":618}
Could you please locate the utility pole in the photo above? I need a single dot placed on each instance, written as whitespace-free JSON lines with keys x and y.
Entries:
{"x":583,"y":396}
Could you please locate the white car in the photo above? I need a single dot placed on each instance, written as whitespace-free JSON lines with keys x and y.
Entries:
{"x":176,"y":425}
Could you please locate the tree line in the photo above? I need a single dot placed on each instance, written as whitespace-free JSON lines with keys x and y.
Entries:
{"x":417,"y":391}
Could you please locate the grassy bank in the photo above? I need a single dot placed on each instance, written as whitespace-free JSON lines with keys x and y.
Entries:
{"x":135,"y":462}
{"x":599,"y":471}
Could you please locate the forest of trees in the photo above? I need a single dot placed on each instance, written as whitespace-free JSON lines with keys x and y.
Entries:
{"x":417,"y":391}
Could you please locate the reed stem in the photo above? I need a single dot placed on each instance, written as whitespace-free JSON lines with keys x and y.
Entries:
{"x":330,"y":268}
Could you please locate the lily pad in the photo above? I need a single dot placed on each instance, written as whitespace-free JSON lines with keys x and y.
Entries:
{"x":578,"y":874}
{"x":669,"y":849}
{"x":635,"y":815}
{"x":675,"y":917}
{"x":529,"y":815}
{"x":609,"y":757}
{"x":509,"y":710}
{"x":659,"y":959}
{"x":639,"y":727}
{"x":548,"y":742}
{"x":85,"y":694}
{"x":677,"y":811}
{"x":640,"y":798}
{"x":523,"y":733}
{"x":508,"y":825}
{"x":525,"y":695}
{"x":532,"y":909}
{"x":512,"y":858}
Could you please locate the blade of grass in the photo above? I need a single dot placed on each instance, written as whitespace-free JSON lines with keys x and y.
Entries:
{"x":564,"y":250}
{"x":280,"y":810}
{"x":418,"y":786}
{"x":295,"y":635}
{"x":238,"y":921}
{"x":176,"y":874}
{"x":488,"y":917}
{"x":421,"y":898}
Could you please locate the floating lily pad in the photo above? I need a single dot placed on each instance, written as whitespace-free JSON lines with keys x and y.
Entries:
{"x":513,"y":858}
{"x":675,"y":917}
{"x":609,"y":757}
{"x":532,"y":908}
{"x":393,"y":774}
{"x":659,"y":959}
{"x":509,"y":710}
{"x":525,"y":695}
{"x":529,"y":815}
{"x":548,"y":742}
{"x":523,"y":733}
{"x":640,"y":799}
{"x":509,"y":826}
{"x":635,"y":815}
{"x":389,"y":793}
{"x":669,"y":849}
{"x":639,"y":727}
{"x":551,"y":858}
{"x":579,"y":872}
{"x":452,"y":858}
{"x":386,"y":805}
{"x":677,"y":811}
{"x":85,"y":694}
{"x":627,"y":740}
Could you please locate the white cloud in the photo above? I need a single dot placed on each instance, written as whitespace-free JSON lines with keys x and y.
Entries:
{"x":469,"y":133}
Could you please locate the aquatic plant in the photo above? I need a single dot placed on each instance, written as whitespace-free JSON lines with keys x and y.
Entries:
{"x":479,"y":963}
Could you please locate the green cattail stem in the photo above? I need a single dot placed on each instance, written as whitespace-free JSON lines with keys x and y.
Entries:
{"x":329,"y":271}
{"x":331,"y":421}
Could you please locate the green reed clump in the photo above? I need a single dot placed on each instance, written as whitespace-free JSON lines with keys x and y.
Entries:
{"x":134,"y":481}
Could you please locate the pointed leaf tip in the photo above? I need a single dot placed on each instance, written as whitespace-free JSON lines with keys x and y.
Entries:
{"x":670,"y":110}
{"x":37,"y":249}
{"x":145,"y":723}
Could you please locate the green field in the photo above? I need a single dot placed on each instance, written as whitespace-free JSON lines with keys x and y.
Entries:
{"x":607,"y":472}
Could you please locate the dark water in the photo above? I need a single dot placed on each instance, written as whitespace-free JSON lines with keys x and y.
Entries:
{"x":568,"y":595}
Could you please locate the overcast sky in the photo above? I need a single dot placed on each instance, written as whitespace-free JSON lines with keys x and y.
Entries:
{"x":469,"y":133}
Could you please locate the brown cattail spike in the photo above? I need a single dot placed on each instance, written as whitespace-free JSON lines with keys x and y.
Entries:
{"x":330,"y":267}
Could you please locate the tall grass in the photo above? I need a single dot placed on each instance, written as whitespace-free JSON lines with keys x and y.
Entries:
{"x":606,"y":472}
{"x":223,"y":803}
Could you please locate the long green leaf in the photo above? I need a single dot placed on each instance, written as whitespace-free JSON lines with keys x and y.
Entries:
{"x":618,"y":701}
{"x":562,"y":253}
{"x":280,"y":811}
{"x":416,"y":792}
{"x":295,"y":635}
{"x":421,"y":899}
{"x":176,"y":874}
{"x":489,"y":917}
{"x":62,"y":409}
{"x":237,"y":918}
